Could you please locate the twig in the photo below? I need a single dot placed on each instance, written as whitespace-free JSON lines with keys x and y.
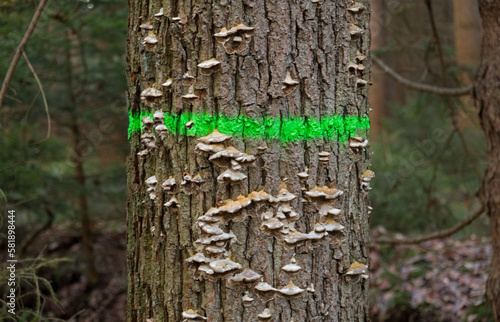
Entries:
{"x":19,"y":50}
{"x":421,"y":87}
{"x":43,"y":95}
{"x":435,"y":33}
{"x":436,"y":235}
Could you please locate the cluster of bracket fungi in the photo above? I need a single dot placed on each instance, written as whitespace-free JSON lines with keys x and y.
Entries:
{"x":275,"y":213}
{"x":277,"y":218}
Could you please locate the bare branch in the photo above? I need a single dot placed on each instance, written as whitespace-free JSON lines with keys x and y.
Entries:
{"x":436,"y":235}
{"x":47,"y":112}
{"x":421,"y":87}
{"x":19,"y":50}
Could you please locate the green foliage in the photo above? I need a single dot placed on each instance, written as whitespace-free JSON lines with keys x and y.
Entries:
{"x":32,"y":290}
{"x":427,"y":172}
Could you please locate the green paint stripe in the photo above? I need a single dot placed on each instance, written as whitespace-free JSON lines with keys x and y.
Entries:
{"x":285,"y":129}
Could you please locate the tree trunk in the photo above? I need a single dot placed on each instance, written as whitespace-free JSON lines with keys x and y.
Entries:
{"x":487,"y":93}
{"x":285,"y":94}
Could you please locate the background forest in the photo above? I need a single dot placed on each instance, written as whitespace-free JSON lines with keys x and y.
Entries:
{"x":63,"y":147}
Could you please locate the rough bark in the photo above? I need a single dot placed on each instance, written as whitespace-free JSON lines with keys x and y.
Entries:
{"x":487,"y":94}
{"x":310,"y":40}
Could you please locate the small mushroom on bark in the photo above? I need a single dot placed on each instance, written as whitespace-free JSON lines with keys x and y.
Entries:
{"x":246,"y":299}
{"x":173,"y":202}
{"x":208,"y":67}
{"x":355,"y":30}
{"x":265,"y":315}
{"x":236,"y":39}
{"x":358,"y":144}
{"x":168,"y":184}
{"x":224,"y":266}
{"x":192,"y":315}
{"x":246,"y":277}
{"x":231,"y":175}
{"x":162,"y":131}
{"x":214,"y":137}
{"x":190,"y":97}
{"x":355,"y":272}
{"x":168,"y":83}
{"x":292,"y":267}
{"x":289,"y":84}
{"x":356,"y":8}
{"x":188,"y":79}
{"x":291,"y":290}
{"x":151,"y":95}
{"x":265,"y":287}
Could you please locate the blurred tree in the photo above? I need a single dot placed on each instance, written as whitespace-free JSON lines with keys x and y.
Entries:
{"x":77,"y":54}
{"x":272,"y":82}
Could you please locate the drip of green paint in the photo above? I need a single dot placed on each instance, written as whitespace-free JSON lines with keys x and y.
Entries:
{"x":285,"y":129}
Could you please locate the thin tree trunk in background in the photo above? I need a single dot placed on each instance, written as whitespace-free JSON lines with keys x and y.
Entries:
{"x":467,"y":29}
{"x":312,"y":42}
{"x":74,"y":66}
{"x":487,"y":94}
{"x":378,"y":97}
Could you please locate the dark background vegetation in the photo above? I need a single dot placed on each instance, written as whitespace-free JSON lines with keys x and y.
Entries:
{"x":429,"y":156}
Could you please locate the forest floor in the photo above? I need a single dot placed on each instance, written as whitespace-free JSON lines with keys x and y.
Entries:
{"x":438,"y":280}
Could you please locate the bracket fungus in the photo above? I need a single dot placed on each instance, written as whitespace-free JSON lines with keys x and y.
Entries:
{"x":355,"y":30}
{"x":159,"y":117}
{"x":172,"y":203}
{"x":265,"y":315}
{"x":159,"y":13}
{"x":150,"y":39}
{"x":324,"y":156}
{"x":202,"y":148}
{"x":189,"y":125}
{"x":236,"y":39}
{"x":190,"y":97}
{"x":355,"y":272}
{"x":208,"y":67}
{"x":188,"y":79}
{"x":168,"y":184}
{"x":191,"y":315}
{"x":356,"y":8}
{"x":148,"y":140}
{"x":231,"y":175}
{"x":246,"y":277}
{"x":361,"y":83}
{"x":247,"y":299}
{"x":264,"y":288}
{"x":272,"y":224}
{"x":224,"y":266}
{"x":162,"y":131}
{"x":289,"y":84}
{"x":147,"y":123}
{"x":151,"y":182}
{"x":366,"y":177}
{"x":358,"y":144}
{"x":325,"y":193}
{"x":168,"y":83}
{"x":359,"y":56}
{"x":291,"y":290}
{"x":143,"y":153}
{"x":214,"y":137}
{"x":304,"y":174}
{"x":292,"y":268}
{"x":146,"y":26}
{"x":151,"y":95}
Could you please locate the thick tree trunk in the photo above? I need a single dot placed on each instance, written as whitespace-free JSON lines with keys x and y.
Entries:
{"x":487,"y":92}
{"x":173,"y":254}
